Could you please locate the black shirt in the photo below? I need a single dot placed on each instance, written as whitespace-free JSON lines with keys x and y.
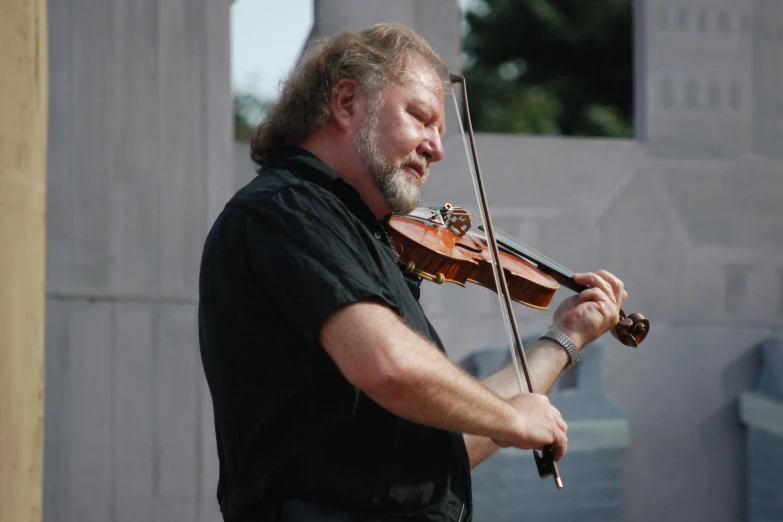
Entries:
{"x":290,"y":248}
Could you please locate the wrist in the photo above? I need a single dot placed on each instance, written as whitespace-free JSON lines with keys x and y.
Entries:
{"x":512,"y":428}
{"x":576,"y":336}
{"x":565,"y":343}
{"x":550,"y":351}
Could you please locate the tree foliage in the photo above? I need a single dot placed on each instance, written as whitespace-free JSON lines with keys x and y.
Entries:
{"x":551,"y":66}
{"x":248,"y":112}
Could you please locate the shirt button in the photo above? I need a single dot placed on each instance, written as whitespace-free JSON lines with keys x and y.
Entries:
{"x":378,"y":235}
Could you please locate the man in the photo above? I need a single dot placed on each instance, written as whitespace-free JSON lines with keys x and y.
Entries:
{"x":333,"y":398}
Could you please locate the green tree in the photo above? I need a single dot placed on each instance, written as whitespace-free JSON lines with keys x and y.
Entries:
{"x":249,"y":109}
{"x":551,"y":66}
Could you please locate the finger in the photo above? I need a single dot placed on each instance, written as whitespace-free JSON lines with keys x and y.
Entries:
{"x":596,"y":281}
{"x":561,"y":423}
{"x":616,"y":284}
{"x":558,"y":418}
{"x":594,"y":295}
{"x":560,"y":446}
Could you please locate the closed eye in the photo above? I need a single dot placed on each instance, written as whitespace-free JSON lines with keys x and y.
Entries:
{"x":419,"y":116}
{"x":424,"y":117}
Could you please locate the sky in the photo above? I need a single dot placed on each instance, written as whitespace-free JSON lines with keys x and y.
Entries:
{"x":266,"y":37}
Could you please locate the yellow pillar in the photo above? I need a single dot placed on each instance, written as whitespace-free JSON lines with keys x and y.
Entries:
{"x":23,"y":122}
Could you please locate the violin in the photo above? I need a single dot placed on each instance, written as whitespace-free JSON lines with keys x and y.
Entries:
{"x":438,"y":245}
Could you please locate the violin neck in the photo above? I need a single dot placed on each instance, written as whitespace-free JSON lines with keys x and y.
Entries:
{"x":561,"y":274}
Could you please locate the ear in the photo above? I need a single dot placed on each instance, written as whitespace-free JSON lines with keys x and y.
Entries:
{"x":346,"y":102}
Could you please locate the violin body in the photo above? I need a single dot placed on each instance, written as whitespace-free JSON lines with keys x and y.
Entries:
{"x":436,"y":252}
{"x":437,"y":244}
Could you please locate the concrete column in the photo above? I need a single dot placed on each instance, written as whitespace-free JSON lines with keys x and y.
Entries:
{"x":439,"y":21}
{"x":23,"y":123}
{"x":140,"y":164}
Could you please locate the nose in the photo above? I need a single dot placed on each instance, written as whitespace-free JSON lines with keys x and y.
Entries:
{"x":431,"y":147}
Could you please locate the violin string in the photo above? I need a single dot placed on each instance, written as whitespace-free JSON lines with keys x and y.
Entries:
{"x":524,"y":248}
{"x":495,"y":264}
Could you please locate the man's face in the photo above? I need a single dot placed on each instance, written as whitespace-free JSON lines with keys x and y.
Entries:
{"x":401,"y":135}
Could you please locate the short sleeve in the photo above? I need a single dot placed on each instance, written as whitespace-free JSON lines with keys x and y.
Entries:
{"x":311,"y":256}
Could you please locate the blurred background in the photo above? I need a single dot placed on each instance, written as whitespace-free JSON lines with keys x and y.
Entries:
{"x":644,"y":137}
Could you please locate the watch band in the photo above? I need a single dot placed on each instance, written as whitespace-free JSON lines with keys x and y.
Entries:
{"x":566,"y":342}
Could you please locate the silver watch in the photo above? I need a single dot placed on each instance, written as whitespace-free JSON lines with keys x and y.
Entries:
{"x":566,"y":342}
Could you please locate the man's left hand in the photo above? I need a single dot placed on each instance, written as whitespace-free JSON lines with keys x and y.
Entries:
{"x":587,"y":316}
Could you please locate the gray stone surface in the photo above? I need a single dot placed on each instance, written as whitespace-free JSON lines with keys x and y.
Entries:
{"x":699,"y":77}
{"x":764,"y":490}
{"x":140,"y":144}
{"x":140,"y":162}
{"x":762,"y":413}
{"x":440,"y":21}
{"x":771,"y":380}
{"x":244,"y":168}
{"x":507,"y":487}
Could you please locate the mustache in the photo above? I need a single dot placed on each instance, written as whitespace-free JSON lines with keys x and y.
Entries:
{"x":418,"y":161}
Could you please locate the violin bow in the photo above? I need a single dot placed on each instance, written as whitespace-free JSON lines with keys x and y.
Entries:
{"x":545,"y":461}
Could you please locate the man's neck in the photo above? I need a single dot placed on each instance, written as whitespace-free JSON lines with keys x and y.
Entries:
{"x":344,"y":159}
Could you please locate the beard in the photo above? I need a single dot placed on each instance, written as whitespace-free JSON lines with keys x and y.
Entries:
{"x":398,"y":186}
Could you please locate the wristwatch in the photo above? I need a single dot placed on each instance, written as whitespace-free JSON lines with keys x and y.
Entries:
{"x":566,"y":342}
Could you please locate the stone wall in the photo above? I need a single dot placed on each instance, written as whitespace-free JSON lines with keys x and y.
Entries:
{"x":140,"y":162}
{"x":761,"y":410}
{"x":507,"y":487}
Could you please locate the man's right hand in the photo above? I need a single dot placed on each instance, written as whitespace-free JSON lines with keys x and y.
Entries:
{"x":540,"y":425}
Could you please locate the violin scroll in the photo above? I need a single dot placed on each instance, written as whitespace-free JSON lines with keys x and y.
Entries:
{"x":631,"y":330}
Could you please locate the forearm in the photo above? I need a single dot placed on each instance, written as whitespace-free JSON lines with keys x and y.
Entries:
{"x":430,"y":389}
{"x":546,"y":361}
{"x":377,"y":352}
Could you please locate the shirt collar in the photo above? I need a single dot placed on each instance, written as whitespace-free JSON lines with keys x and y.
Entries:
{"x":307,"y":166}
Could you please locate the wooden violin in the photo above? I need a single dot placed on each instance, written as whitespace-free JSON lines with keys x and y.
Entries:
{"x":437,"y":244}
